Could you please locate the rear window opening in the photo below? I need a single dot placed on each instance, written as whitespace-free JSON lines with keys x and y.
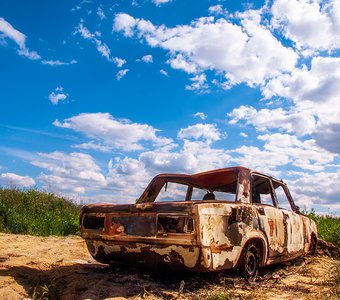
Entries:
{"x":174,"y":224}
{"x":173,"y":192}
{"x":93,"y":222}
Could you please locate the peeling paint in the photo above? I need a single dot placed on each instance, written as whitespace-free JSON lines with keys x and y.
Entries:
{"x":206,"y":235}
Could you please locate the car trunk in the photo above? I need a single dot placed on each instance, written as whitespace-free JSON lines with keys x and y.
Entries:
{"x":159,"y":222}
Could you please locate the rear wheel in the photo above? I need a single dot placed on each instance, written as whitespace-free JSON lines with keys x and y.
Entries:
{"x":248,"y":265}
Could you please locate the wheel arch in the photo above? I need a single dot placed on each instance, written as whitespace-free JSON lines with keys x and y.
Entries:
{"x":262,"y":246}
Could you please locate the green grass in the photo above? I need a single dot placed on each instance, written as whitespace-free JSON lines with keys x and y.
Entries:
{"x":37,"y":213}
{"x":40,"y":213}
{"x":328,"y":227}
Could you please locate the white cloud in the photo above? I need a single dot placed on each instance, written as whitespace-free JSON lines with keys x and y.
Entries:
{"x":194,"y":156}
{"x":313,"y":90}
{"x":58,"y":62}
{"x":200,"y":115}
{"x":73,"y":173}
{"x":163,"y":72}
{"x":121,"y":73}
{"x":243,"y":134}
{"x":281,"y":150}
{"x":14,"y":180}
{"x":111,"y":132}
{"x":124,"y":22}
{"x":217,"y":10}
{"x":102,"y":48}
{"x":78,"y":173}
{"x":317,"y":188}
{"x":181,"y":63}
{"x":199,"y":83}
{"x":119,"y":61}
{"x":57,"y":95}
{"x":304,"y":154}
{"x":147,"y":59}
{"x":101,"y":13}
{"x":309,"y":23}
{"x":8,"y":31}
{"x":244,"y":52}
{"x":206,"y":132}
{"x":33,"y":55}
{"x":94,"y":146}
{"x":265,"y":119}
{"x":315,"y":94}
{"x":160,"y":2}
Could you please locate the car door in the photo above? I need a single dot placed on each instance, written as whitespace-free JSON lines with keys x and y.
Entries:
{"x":293,"y":221}
{"x":271,"y":219}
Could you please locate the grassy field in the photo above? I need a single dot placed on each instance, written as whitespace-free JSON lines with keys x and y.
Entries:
{"x":328,"y":227}
{"x":37,"y":213}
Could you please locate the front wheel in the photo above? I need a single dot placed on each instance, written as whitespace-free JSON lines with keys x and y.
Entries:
{"x":248,"y":264}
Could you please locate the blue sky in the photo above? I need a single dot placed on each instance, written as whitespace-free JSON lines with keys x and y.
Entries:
{"x":97,"y":97}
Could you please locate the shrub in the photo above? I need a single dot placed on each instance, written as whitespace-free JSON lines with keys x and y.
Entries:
{"x":328,"y":227}
{"x":37,"y":213}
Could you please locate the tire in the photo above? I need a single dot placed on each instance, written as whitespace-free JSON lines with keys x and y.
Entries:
{"x":249,"y":263}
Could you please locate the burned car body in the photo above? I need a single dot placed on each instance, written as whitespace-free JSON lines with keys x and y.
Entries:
{"x":220,"y":219}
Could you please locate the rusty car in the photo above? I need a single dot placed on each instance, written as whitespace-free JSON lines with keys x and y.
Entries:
{"x":230,"y":218}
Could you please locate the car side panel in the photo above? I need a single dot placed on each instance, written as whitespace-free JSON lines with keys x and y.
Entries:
{"x":223,"y":232}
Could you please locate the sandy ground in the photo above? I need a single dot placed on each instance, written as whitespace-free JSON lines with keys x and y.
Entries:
{"x":61,"y":268}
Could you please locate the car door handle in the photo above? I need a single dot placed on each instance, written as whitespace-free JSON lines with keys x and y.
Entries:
{"x":261,"y":211}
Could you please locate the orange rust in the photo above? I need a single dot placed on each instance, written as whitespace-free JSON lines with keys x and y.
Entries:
{"x":200,"y":235}
{"x":219,"y":248}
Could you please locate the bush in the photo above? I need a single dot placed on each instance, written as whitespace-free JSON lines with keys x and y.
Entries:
{"x":37,"y":213}
{"x":328,"y":227}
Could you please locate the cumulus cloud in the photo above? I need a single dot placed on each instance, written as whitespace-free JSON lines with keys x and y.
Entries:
{"x":205,"y":132}
{"x":160,"y":2}
{"x":73,"y":173}
{"x":309,"y":24}
{"x":245,"y":51}
{"x":317,"y":188}
{"x":313,"y":90}
{"x":194,"y":156}
{"x":304,"y":154}
{"x":266,"y":119}
{"x":217,"y":10}
{"x":111,"y":132}
{"x":14,"y":180}
{"x":57,"y":95}
{"x":315,"y":94}
{"x":200,"y":115}
{"x":119,"y":61}
{"x":9,"y":32}
{"x":78,"y":173}
{"x":282,"y":150}
{"x":147,"y":59}
{"x":199,"y":83}
{"x":121,"y":73}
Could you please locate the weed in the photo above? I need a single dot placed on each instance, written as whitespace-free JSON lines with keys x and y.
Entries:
{"x":37,"y":213}
{"x":328,"y":227}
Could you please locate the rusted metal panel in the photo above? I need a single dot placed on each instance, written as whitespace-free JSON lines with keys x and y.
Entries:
{"x":206,"y":235}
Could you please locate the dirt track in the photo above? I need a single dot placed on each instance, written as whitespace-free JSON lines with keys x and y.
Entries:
{"x":61,"y":268}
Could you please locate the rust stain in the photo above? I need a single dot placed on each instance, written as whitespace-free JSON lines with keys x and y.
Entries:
{"x":201,"y":235}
